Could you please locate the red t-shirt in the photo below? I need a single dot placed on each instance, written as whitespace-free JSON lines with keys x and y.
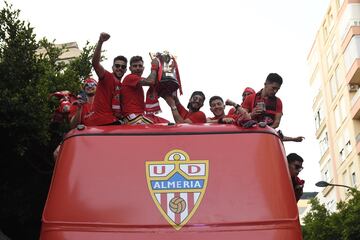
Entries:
{"x":132,"y":95}
{"x":273,"y":106}
{"x":231,"y":111}
{"x":86,"y":111}
{"x":195,"y":117}
{"x":102,"y":112}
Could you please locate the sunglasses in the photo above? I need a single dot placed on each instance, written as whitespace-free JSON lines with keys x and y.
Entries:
{"x":298,"y":167}
{"x":90,"y":85}
{"x":123,"y":67}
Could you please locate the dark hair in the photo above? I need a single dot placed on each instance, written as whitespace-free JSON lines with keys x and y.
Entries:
{"x":135,"y":59}
{"x":213,"y":98}
{"x":122,"y":58}
{"x":292,"y":157}
{"x":198,"y":93}
{"x":274,"y":77}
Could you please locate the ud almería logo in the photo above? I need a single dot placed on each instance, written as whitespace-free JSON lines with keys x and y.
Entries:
{"x":177,"y":185}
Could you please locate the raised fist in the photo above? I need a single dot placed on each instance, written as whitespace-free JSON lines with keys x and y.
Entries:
{"x":104,"y":36}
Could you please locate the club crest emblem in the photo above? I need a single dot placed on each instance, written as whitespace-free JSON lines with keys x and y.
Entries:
{"x":177,"y":186}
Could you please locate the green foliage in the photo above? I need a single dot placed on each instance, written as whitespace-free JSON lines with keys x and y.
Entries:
{"x":27,"y":80}
{"x":28,"y":76}
{"x":344,"y":224}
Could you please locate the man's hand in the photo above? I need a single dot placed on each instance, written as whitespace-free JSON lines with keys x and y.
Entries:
{"x":298,"y":139}
{"x":154,"y":64}
{"x":227,"y":120}
{"x":104,"y":37}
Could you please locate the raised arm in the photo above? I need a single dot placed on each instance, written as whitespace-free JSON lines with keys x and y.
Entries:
{"x":99,"y":69}
{"x":175,"y":111}
{"x":151,"y":79}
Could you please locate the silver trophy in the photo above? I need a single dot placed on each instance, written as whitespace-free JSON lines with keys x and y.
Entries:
{"x":169,"y":80}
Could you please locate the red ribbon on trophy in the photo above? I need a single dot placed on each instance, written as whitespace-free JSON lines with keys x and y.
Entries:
{"x":168,"y":74}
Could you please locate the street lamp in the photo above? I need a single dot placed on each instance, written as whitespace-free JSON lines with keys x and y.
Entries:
{"x":325,"y":184}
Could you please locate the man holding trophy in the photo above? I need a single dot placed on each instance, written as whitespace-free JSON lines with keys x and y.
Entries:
{"x":181,"y":115}
{"x":169,"y":83}
{"x":132,"y":94}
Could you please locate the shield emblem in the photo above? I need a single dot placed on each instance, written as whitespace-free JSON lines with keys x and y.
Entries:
{"x":177,"y":186}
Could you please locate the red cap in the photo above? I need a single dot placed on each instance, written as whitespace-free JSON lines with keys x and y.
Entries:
{"x":249,"y":90}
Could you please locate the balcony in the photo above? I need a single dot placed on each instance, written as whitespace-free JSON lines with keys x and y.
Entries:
{"x":353,"y":75}
{"x":355,"y":105}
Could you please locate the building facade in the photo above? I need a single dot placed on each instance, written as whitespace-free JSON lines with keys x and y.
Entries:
{"x":70,"y":51}
{"x":334,"y":64}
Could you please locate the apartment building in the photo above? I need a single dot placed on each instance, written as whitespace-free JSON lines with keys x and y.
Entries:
{"x":71,"y":51}
{"x":334,"y":63}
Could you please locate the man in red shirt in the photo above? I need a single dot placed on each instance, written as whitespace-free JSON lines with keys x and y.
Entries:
{"x":264,"y":106}
{"x":247,"y":91}
{"x":84,"y":103}
{"x":106,"y":107}
{"x":132,"y":93}
{"x":217,"y":107}
{"x":181,"y":115}
{"x":295,"y":166}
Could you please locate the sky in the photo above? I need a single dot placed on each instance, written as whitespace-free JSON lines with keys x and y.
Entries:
{"x":221,"y":48}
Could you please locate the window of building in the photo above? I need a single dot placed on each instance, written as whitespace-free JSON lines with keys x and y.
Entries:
{"x":333,"y":86}
{"x":344,"y":145}
{"x":324,"y":143}
{"x":326,"y":31}
{"x":340,"y":113}
{"x":326,"y":171}
{"x":313,"y":60}
{"x":331,"y":205}
{"x":337,"y":80}
{"x":315,"y":85}
{"x":342,"y":109}
{"x":342,"y":154}
{"x":345,"y":178}
{"x":340,"y":3}
{"x":319,"y":117}
{"x":352,"y":175}
{"x":331,"y":19}
{"x":347,"y":142}
{"x":353,"y":179}
{"x":332,"y":53}
{"x":329,"y":58}
{"x":339,"y":75}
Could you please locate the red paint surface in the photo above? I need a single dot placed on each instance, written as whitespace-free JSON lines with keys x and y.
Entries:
{"x":99,"y":188}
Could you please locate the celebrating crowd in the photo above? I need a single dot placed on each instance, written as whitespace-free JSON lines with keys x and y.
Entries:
{"x":114,"y":100}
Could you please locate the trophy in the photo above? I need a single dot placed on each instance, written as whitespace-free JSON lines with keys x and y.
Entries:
{"x":168,"y":75}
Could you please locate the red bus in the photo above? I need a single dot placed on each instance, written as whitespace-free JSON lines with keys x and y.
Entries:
{"x":184,"y":181}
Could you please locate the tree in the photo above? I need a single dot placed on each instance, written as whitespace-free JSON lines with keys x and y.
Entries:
{"x":28,"y":138}
{"x":344,"y":224}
